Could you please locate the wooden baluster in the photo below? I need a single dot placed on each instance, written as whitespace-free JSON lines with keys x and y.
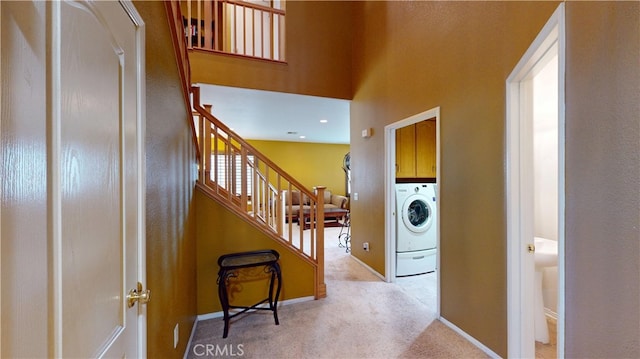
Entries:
{"x":244,"y":31}
{"x":279,"y":211}
{"x":207,"y":150}
{"x":243,"y":179}
{"x":188,"y":29}
{"x":321,"y":288}
{"x":208,"y":21}
{"x":289,"y":210}
{"x":216,"y":35}
{"x":267,"y":212}
{"x":198,"y":27}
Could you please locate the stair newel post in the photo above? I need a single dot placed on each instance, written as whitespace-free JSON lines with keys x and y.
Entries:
{"x":321,"y":288}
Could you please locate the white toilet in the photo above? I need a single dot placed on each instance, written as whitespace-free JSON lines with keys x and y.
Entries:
{"x":546,"y":255}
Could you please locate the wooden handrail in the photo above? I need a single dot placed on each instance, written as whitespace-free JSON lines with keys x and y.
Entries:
{"x":255,"y":6}
{"x":266,"y":206}
{"x":270,"y":204}
{"x":202,"y":111}
{"x":174,"y":17}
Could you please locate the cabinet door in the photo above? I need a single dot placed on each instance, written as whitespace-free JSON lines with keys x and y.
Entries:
{"x":406,"y":152}
{"x":426,"y":148}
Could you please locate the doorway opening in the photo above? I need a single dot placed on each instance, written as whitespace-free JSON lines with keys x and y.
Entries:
{"x":391,"y":215}
{"x":535,"y":190}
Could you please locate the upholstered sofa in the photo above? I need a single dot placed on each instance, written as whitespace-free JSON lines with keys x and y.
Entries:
{"x":332,"y":204}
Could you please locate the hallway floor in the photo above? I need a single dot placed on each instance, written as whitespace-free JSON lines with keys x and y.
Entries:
{"x":362,"y":317}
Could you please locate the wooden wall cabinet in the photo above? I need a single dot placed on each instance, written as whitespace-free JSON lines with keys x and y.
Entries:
{"x":416,"y":150}
{"x":406,"y":152}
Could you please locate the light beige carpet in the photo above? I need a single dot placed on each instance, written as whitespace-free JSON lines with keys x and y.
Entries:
{"x":362,"y":317}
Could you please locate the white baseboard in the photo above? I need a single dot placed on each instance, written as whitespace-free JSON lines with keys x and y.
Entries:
{"x":193,"y":331}
{"x":468,"y":337}
{"x":369,"y":268}
{"x":220,"y":314}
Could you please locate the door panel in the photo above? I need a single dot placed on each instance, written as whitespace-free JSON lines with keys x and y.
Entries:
{"x":99,"y":222}
{"x":426,"y":148}
{"x":406,"y":152}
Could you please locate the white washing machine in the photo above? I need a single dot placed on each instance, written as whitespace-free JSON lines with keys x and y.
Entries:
{"x":416,"y":228}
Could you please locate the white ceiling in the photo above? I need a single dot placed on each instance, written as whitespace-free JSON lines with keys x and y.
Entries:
{"x":266,"y":115}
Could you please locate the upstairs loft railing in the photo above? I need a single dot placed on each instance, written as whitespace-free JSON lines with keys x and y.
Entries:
{"x":252,"y":186}
{"x":252,"y":28}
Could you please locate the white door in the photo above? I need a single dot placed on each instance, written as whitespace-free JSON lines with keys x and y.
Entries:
{"x":96,"y":178}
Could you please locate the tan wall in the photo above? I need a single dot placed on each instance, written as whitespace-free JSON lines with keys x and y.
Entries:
{"x":410,"y":57}
{"x":221,"y":232}
{"x":318,"y":58}
{"x":603,"y":180}
{"x":170,"y":166}
{"x":313,"y":164}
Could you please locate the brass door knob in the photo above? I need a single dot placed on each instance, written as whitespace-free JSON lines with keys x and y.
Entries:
{"x":138,"y":295}
{"x":531,"y":248}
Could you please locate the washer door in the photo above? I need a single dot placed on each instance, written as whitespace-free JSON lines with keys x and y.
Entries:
{"x":416,"y":213}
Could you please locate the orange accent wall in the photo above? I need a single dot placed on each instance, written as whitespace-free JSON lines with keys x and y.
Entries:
{"x":318,"y":55}
{"x":313,"y":164}
{"x":410,"y":57}
{"x":221,"y":232}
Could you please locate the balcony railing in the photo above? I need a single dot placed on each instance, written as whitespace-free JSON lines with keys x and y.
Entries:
{"x":253,"y":28}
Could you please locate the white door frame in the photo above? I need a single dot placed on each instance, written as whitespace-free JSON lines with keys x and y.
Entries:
{"x":390,"y":193}
{"x":141,"y":94}
{"x":519,"y":189}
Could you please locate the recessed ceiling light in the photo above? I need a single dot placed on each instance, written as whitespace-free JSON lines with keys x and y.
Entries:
{"x":303,"y":137}
{"x":323,"y":121}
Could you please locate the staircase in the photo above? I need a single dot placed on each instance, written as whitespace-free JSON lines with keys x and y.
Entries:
{"x":246,"y":182}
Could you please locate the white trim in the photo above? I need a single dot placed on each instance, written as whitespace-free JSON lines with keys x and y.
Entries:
{"x":390,"y":202}
{"x":561,"y":182}
{"x":193,"y":332}
{"x":141,"y":95}
{"x":390,"y":194}
{"x":373,"y":271}
{"x":520,"y":336}
{"x":1,"y":179}
{"x":468,"y":337}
